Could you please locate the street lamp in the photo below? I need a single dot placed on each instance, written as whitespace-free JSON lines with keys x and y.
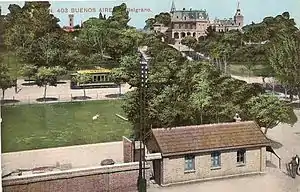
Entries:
{"x":142,"y":183}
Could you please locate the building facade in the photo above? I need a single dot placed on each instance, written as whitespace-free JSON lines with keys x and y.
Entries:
{"x":189,"y":22}
{"x":204,"y":152}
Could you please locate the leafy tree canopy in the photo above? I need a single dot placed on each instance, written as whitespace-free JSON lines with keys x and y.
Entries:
{"x":161,"y":18}
{"x":182,"y":92}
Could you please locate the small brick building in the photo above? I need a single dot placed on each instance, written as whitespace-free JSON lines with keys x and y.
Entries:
{"x":210,"y":151}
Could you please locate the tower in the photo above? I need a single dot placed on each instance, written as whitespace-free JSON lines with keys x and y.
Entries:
{"x":173,"y":8}
{"x":238,"y":17}
{"x":71,"y":20}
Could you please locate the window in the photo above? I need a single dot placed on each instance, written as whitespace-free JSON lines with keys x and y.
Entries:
{"x":102,"y":78}
{"x":216,"y":159}
{"x":98,"y":78}
{"x":94,"y":78}
{"x":189,"y":163}
{"x":240,"y":156}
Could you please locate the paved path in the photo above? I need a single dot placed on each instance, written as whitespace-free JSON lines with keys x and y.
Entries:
{"x":275,"y":180}
{"x":79,"y":156}
{"x":29,"y":94}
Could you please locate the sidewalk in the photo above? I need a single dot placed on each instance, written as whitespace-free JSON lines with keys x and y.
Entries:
{"x":62,"y":93}
{"x":78,"y":156}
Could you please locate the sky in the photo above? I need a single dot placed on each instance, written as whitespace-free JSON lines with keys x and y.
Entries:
{"x":253,"y":10}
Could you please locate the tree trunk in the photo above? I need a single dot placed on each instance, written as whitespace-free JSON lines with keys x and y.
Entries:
{"x":3,"y":92}
{"x":201,"y":117}
{"x":45,"y":91}
{"x":285,"y":92}
{"x":291,"y":97}
{"x":84,"y":93}
{"x":264,"y":82}
{"x":120,"y":89}
{"x":266,"y":130}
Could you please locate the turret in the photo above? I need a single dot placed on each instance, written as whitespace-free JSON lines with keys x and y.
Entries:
{"x":71,"y":20}
{"x":173,"y":8}
{"x":238,"y":17}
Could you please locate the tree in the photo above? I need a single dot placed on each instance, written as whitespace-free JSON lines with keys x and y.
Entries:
{"x":149,"y":24}
{"x":268,"y":111}
{"x":181,"y":92}
{"x":189,"y":41}
{"x":48,"y":76}
{"x":120,"y":16}
{"x":6,"y":80}
{"x":83,"y":78}
{"x":28,"y":71}
{"x":36,"y":37}
{"x":108,"y":38}
{"x":161,"y":18}
{"x":117,"y":77}
{"x":28,"y":23}
{"x":284,"y":58}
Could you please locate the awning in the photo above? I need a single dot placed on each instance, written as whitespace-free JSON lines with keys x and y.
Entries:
{"x":271,"y":150}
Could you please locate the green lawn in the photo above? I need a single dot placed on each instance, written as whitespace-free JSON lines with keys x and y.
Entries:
{"x":38,"y":126}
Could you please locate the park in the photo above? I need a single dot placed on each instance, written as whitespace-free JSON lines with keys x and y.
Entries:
{"x":63,"y":124}
{"x":48,"y":77}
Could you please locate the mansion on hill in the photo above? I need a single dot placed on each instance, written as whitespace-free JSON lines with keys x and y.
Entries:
{"x":195,"y":23}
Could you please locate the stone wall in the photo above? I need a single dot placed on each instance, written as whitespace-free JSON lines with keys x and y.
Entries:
{"x":173,"y":167}
{"x":117,"y":178}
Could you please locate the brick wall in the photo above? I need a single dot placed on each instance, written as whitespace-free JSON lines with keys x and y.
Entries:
{"x":128,"y":150}
{"x":173,"y":167}
{"x":117,"y":178}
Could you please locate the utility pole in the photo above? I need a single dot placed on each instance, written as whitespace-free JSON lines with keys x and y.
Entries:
{"x":142,"y":182}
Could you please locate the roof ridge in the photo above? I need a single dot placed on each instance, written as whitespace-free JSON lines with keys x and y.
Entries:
{"x":206,"y":125}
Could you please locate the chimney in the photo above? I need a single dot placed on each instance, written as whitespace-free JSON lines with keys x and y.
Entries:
{"x":237,"y":118}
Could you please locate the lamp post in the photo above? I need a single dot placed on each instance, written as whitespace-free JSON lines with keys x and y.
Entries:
{"x":142,"y":183}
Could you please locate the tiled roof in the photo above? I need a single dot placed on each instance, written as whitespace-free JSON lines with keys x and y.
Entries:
{"x":182,"y":140}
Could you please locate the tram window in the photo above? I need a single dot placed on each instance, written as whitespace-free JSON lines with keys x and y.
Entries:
{"x":95,"y":78}
{"x":98,"y":78}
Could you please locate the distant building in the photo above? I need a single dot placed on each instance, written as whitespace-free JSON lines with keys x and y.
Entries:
{"x":189,"y":22}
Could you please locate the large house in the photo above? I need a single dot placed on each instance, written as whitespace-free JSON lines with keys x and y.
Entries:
{"x":189,"y":22}
{"x":210,"y":151}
